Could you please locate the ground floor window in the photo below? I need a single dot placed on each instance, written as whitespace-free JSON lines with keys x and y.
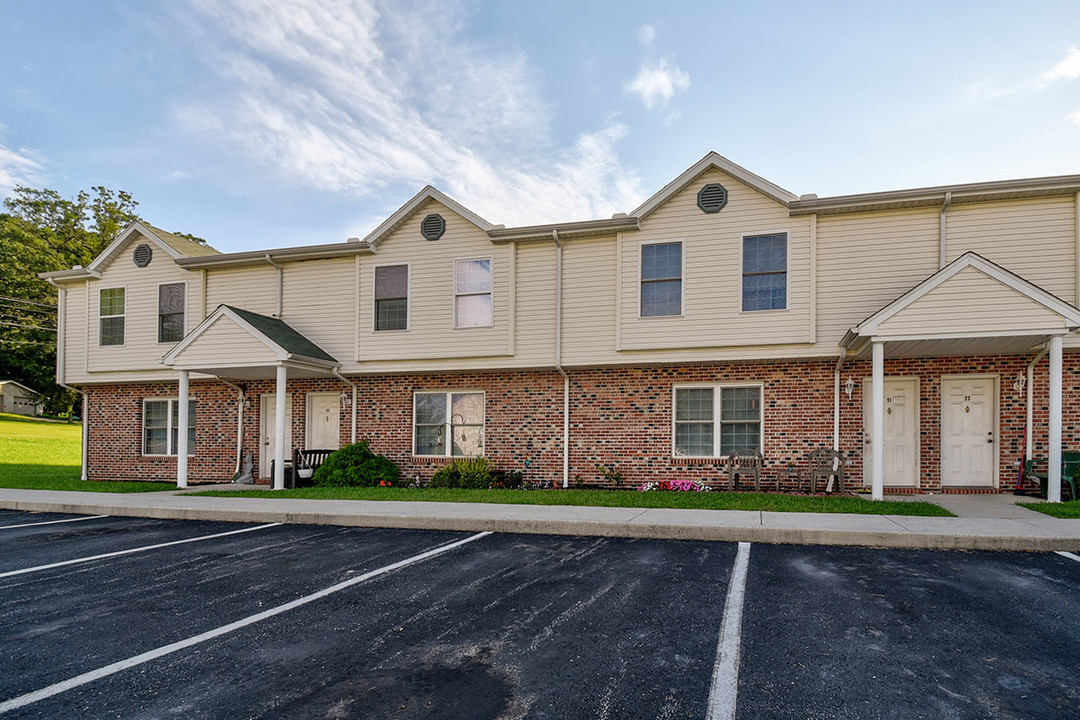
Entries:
{"x":448,"y":423}
{"x":161,"y":422}
{"x":714,"y":420}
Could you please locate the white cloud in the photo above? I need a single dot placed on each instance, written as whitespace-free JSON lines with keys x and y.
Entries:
{"x":1067,"y":69}
{"x":646,"y":35}
{"x":656,"y":83}
{"x":341,"y":96}
{"x":1074,"y":117}
{"x":21,"y":166}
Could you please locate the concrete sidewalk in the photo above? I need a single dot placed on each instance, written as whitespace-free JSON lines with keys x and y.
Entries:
{"x":1004,"y":526}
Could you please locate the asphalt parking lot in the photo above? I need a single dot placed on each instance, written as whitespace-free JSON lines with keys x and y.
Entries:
{"x":139,"y":618}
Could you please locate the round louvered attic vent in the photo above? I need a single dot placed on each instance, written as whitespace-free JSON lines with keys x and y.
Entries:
{"x":142,"y":255}
{"x":712,"y":198}
{"x":433,"y":227}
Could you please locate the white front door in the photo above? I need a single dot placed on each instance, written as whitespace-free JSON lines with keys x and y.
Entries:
{"x":968,"y":420}
{"x":323,"y":421}
{"x":267,"y":437}
{"x":901,"y":432}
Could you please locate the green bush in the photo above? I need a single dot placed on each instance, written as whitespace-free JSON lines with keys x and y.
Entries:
{"x":471,"y":473}
{"x":356,"y":466}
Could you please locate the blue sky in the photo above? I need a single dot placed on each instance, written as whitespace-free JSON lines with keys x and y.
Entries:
{"x":267,"y":123}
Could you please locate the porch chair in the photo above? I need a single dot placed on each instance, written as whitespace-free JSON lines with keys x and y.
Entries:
{"x":821,"y":463}
{"x":747,"y":461}
{"x":1070,"y":470}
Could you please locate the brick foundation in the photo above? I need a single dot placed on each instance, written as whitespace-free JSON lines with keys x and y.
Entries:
{"x":620,"y":417}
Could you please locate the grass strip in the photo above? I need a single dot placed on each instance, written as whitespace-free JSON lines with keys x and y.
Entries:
{"x":773,"y":502}
{"x":1066,"y":510}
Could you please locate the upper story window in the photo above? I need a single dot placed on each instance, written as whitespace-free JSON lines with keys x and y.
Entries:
{"x":661,"y":279}
{"x":448,"y":423}
{"x":171,"y":302}
{"x":161,"y":420}
{"x":712,"y":421}
{"x":472,"y":293}
{"x":111,"y":314}
{"x":764,"y":272}
{"x":392,"y":297}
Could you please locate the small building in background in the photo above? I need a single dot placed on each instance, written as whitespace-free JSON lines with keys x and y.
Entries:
{"x":18,"y":399}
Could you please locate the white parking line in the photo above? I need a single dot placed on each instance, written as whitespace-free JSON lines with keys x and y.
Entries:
{"x":725,"y":680}
{"x":76,"y":561}
{"x":53,"y":522}
{"x":1069,"y":555}
{"x":116,"y":667}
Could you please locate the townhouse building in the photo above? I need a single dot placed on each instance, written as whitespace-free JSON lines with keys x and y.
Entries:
{"x":928,"y":334}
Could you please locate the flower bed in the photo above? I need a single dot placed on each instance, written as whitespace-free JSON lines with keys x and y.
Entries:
{"x":674,"y":486}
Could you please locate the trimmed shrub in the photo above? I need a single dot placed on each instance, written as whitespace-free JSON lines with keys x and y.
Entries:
{"x":471,"y":473}
{"x":356,"y":466}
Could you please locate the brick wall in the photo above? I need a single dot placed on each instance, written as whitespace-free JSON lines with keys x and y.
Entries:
{"x":620,"y":417}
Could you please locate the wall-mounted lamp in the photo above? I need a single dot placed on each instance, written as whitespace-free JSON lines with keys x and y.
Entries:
{"x":1019,"y":382}
{"x":849,"y":387}
{"x":346,"y":398}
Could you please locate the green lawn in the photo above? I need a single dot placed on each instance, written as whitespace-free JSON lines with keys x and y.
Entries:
{"x":1069,"y":509}
{"x":46,"y":454}
{"x":609,"y":498}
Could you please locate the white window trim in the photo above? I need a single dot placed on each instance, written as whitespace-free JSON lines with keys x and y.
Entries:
{"x":100,"y":316}
{"x":447,"y":439}
{"x":168,"y":426}
{"x":787,"y":271}
{"x":408,"y":298}
{"x":157,"y":323}
{"x":682,"y":277}
{"x":716,"y":414}
{"x":490,"y":292}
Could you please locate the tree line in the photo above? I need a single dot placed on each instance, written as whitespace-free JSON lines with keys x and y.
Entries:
{"x":40,"y":230}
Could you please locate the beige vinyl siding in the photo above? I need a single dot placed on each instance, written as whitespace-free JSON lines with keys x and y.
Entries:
{"x":223,"y":344}
{"x":589,"y":292}
{"x":141,"y":350}
{"x":248,"y":288}
{"x":319,"y":302}
{"x":1033,"y":238}
{"x":867,"y":260}
{"x":75,"y":333}
{"x":712,"y":285}
{"x":431,"y":334}
{"x":534,"y":344}
{"x":970,"y":301}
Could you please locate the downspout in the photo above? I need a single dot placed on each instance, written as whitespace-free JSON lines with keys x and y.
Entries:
{"x":279,"y":283}
{"x":1031,"y":399}
{"x":61,"y":305}
{"x":836,"y":400}
{"x":354,"y":387}
{"x":239,"y":420}
{"x":941,"y":240}
{"x":558,"y":359}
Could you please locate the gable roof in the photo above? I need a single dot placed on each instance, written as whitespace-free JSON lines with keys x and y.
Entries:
{"x":275,"y":333}
{"x":406,"y":211}
{"x":174,"y":246}
{"x":721,"y":163}
{"x":19,"y":384}
{"x":1025,"y":289}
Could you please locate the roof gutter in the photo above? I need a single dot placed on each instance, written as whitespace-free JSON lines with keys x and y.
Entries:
{"x":558,"y":358}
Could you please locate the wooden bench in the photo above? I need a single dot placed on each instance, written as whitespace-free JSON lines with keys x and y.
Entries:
{"x":301,"y":459}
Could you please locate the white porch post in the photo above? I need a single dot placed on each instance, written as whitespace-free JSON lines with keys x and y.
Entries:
{"x":279,"y":430}
{"x":877,"y":429}
{"x":1053,"y":493}
{"x":181,"y":432}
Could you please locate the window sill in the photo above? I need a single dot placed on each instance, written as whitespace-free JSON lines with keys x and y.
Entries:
{"x":682,"y":460}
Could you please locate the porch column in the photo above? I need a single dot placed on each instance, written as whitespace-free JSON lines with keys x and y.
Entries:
{"x":1053,"y":492}
{"x":181,"y":431}
{"x":279,"y":430}
{"x":877,"y":424}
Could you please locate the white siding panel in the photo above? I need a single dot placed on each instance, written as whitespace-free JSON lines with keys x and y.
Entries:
{"x":318,"y":302}
{"x":248,"y":288}
{"x":589,"y":282}
{"x":75,"y":333}
{"x":535,"y":326}
{"x":1033,"y":238}
{"x":970,"y":301}
{"x":224,"y":343}
{"x":867,"y":260}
